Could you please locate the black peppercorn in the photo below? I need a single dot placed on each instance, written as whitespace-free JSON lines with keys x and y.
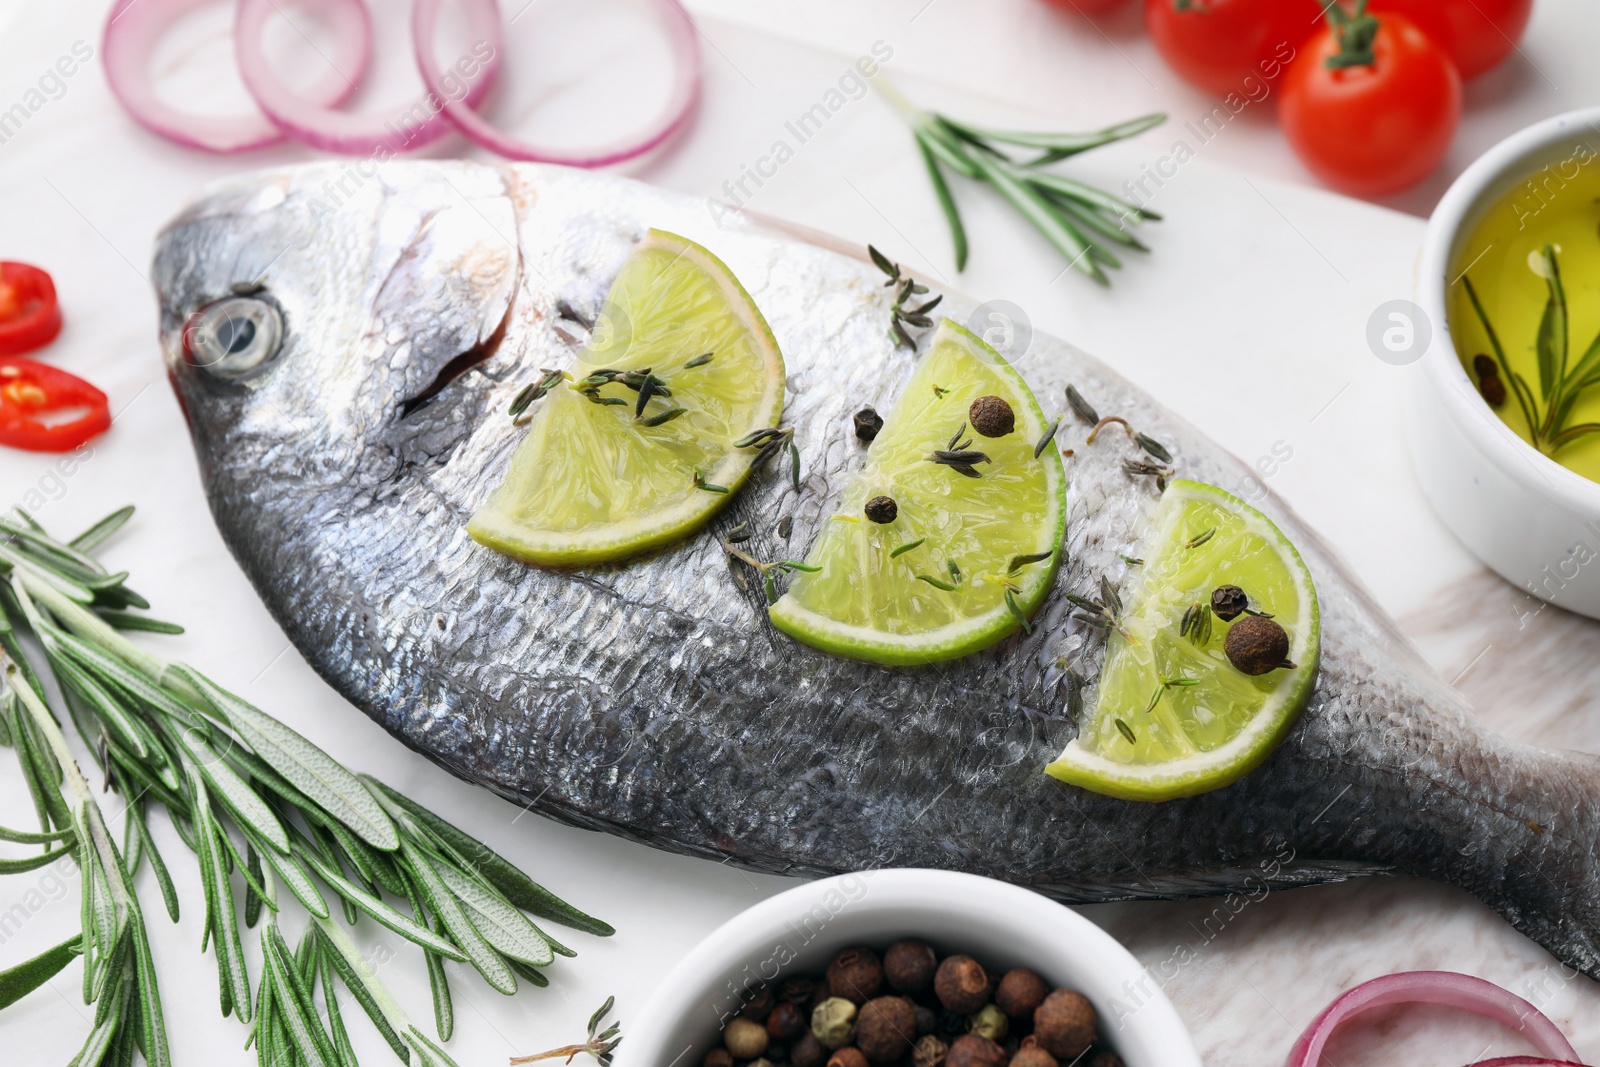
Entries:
{"x":797,"y":991}
{"x":951,"y":1023}
{"x":909,"y":966}
{"x":927,"y":1020}
{"x":1493,"y":390}
{"x":1257,"y":645}
{"x":759,"y":1005}
{"x":991,"y":416}
{"x":882,"y":509}
{"x":1485,"y":366}
{"x":1228,"y":602}
{"x":855,"y":974}
{"x":961,"y":984}
{"x":868,"y":423}
{"x":808,"y":1052}
{"x":786,"y":1022}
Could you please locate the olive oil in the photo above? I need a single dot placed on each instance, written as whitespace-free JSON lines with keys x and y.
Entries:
{"x":1507,"y":263}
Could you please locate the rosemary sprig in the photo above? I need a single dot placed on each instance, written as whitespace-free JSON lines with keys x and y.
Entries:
{"x":1079,"y":219}
{"x":900,"y":314}
{"x":1560,"y":386}
{"x":247,"y":794}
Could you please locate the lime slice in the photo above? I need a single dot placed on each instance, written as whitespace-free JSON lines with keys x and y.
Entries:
{"x":968,"y":581}
{"x":593,"y":481}
{"x":1211,"y":723}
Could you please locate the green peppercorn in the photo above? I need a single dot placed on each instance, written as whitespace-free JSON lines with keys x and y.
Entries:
{"x":834,"y":1022}
{"x":990,"y":1022}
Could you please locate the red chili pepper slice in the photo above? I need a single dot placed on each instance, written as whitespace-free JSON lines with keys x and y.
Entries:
{"x":45,"y":409}
{"x":30,"y":318}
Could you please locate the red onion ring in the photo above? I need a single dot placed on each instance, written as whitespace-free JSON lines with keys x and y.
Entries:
{"x":685,"y":90}
{"x":320,"y":125}
{"x":1447,"y":989}
{"x":135,"y":26}
{"x":1525,"y":1061}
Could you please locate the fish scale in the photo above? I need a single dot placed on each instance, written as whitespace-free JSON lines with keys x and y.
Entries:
{"x":652,"y":700}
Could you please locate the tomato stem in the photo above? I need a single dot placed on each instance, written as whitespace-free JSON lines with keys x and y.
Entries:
{"x":1355,"y":32}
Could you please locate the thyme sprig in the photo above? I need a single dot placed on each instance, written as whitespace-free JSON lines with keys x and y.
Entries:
{"x":1081,"y":221}
{"x":1105,"y":613}
{"x":769,"y":442}
{"x":246,"y":794}
{"x":600,"y":1043}
{"x":1560,"y":386}
{"x":900,"y":314}
{"x":548,"y":380}
{"x":769,"y":572}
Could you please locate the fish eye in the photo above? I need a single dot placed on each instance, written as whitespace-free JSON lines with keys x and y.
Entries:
{"x":235,"y":336}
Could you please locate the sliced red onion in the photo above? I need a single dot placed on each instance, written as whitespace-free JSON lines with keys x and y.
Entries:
{"x":320,"y":125}
{"x":685,"y":90}
{"x":1525,"y":1061}
{"x":133,"y":30}
{"x":1444,"y":988}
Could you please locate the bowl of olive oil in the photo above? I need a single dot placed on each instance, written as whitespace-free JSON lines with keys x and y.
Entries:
{"x":1505,"y":421}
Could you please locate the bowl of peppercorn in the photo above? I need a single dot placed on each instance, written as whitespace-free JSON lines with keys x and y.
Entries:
{"x":907,"y":968}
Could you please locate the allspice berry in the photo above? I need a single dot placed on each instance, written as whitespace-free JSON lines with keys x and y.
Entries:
{"x":1064,"y":1024}
{"x":867,"y":423}
{"x":1257,"y":645}
{"x":718,"y":1057}
{"x":808,"y":1052}
{"x":1020,"y":993}
{"x":991,"y":416}
{"x":855,"y":973}
{"x":847,"y":1057}
{"x":961,"y":984}
{"x":745,"y":1038}
{"x":1034,"y":1056}
{"x":833,"y":1022}
{"x":929,"y":1051}
{"x":909,"y":966}
{"x":1486,"y":367}
{"x":970,"y":1050}
{"x":885,"y":1028}
{"x":1228,"y":602}
{"x":1103,"y":1057}
{"x":786,"y":1022}
{"x":927,"y":1020}
{"x":881,"y":509}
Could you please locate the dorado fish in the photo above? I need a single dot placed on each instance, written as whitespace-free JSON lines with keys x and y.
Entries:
{"x":345,"y":349}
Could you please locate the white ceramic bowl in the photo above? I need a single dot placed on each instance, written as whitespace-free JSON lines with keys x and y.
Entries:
{"x":1530,"y":519}
{"x":797,"y":932}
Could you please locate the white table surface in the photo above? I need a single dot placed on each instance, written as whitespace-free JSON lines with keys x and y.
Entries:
{"x":1248,"y":318}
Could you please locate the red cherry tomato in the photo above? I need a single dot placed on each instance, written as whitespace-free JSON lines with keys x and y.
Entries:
{"x":1085,"y":7}
{"x":29,"y":316}
{"x":1230,"y":46}
{"x":1375,"y":128}
{"x":1477,"y":34}
{"x":45,"y":409}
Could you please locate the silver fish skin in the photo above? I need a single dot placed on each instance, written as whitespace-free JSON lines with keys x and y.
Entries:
{"x":652,"y":699}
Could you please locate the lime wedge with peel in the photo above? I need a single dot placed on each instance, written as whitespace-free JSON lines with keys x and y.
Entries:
{"x":973,"y":546}
{"x":1174,"y":716}
{"x":601,"y":476}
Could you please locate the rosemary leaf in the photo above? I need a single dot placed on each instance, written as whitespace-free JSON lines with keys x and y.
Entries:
{"x":307,"y":767}
{"x":472,"y":944}
{"x":947,"y":203}
{"x":505,"y":928}
{"x":100,"y":532}
{"x":17,"y":982}
{"x":357,"y":985}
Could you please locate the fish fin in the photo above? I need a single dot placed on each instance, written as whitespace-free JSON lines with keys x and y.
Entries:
{"x":1244,"y":877}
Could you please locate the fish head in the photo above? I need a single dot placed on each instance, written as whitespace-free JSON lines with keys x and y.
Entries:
{"x":306,"y":313}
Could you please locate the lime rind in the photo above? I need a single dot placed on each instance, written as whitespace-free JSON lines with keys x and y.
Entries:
{"x":867,"y":603}
{"x":590,"y":484}
{"x":1181,"y":747}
